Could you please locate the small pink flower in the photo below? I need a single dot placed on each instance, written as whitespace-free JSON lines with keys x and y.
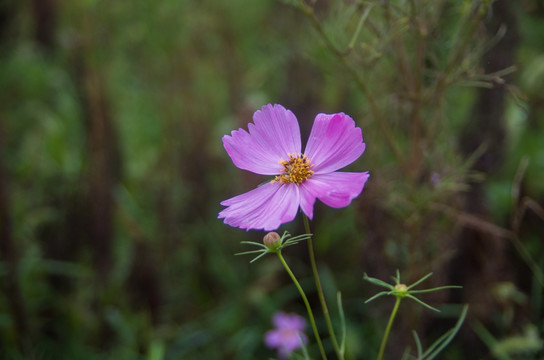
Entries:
{"x":273,"y":147}
{"x":287,"y":335}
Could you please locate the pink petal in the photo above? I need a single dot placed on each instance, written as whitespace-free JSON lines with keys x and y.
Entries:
{"x":334,"y":142}
{"x":292,"y":321}
{"x":280,"y":320}
{"x":272,"y":338}
{"x":307,"y":199}
{"x":266,"y":207}
{"x":286,"y":341}
{"x":277,"y":128}
{"x":292,"y":340}
{"x":247,"y":154}
{"x":274,"y":134}
{"x":335,"y":189}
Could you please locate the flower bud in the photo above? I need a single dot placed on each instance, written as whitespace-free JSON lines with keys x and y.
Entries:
{"x":272,"y":240}
{"x":401,"y":290}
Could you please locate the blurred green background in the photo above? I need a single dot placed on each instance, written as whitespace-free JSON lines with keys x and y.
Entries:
{"x":112,"y":170}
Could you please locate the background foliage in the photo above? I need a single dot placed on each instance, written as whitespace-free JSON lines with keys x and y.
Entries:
{"x":112,"y":170}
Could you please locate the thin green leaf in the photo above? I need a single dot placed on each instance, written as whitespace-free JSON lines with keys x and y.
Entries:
{"x":418,"y":344}
{"x":301,"y":237}
{"x":436,"y":289}
{"x":156,"y":351}
{"x":253,"y":243}
{"x":380,"y":294}
{"x":249,"y":252}
{"x":406,"y":355}
{"x":445,"y":339}
{"x":359,"y":27}
{"x":290,"y":242}
{"x":489,"y":340}
{"x":342,"y":322}
{"x":378,"y":282}
{"x":438,"y":342}
{"x":420,"y":280}
{"x":258,"y":257}
{"x":422,"y":303}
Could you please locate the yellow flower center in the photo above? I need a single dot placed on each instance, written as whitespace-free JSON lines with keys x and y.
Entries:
{"x":295,"y":170}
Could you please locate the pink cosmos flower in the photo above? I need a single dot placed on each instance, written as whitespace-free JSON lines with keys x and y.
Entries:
{"x":273,"y":147}
{"x":287,"y":335}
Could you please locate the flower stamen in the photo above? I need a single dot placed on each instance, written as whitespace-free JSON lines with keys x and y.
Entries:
{"x":295,"y":170}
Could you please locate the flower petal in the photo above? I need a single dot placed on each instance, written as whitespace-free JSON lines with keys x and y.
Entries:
{"x":307,"y":199}
{"x":292,"y":340}
{"x":277,"y":128}
{"x":291,"y":321}
{"x":272,"y":338}
{"x":274,"y":134}
{"x":288,"y":334}
{"x":247,"y":154}
{"x":334,"y":142}
{"x":266,"y":207}
{"x":335,"y":189}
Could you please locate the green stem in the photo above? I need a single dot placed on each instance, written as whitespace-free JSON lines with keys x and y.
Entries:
{"x":388,"y":328}
{"x":320,"y":292}
{"x":306,"y":303}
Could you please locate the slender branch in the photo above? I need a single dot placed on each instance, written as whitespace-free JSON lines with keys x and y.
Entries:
{"x":384,"y":125}
{"x":412,"y":81}
{"x":398,"y":44}
{"x":475,"y":222}
{"x":359,"y":27}
{"x":480,"y":11}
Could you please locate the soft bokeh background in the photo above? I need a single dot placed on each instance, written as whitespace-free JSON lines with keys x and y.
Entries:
{"x":112,"y":170}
